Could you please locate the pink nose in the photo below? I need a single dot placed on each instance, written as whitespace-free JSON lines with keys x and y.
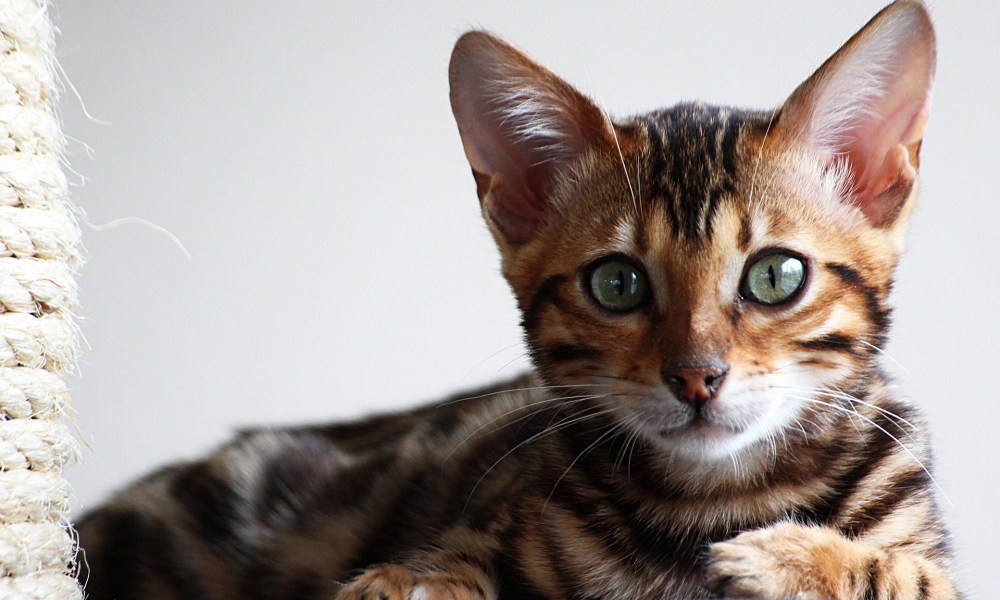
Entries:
{"x":696,"y":384}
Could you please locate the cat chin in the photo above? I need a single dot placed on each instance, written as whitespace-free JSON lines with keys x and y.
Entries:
{"x":703,"y":442}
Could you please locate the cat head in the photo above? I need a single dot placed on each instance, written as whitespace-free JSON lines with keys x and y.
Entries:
{"x":713,"y":277}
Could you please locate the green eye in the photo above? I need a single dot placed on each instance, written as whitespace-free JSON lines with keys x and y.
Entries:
{"x":774,"y":278}
{"x":618,"y":285}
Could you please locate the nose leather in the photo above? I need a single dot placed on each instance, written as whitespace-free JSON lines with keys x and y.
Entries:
{"x":696,"y":383}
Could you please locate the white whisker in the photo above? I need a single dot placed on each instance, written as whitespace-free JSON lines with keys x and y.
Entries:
{"x":886,"y":432}
{"x":522,"y":389}
{"x":549,"y":430}
{"x":621,"y":156}
{"x":886,"y":354}
{"x":613,"y":429}
{"x":760,"y":156}
{"x":488,"y":358}
{"x":512,"y":361}
{"x":638,"y":182}
{"x":564,"y":401}
{"x":838,"y":393}
{"x":635,"y":430}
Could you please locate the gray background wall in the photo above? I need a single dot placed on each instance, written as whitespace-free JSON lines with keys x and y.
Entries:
{"x":305,"y":154}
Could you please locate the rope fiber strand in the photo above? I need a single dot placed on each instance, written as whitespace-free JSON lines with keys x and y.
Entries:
{"x":39,"y":255}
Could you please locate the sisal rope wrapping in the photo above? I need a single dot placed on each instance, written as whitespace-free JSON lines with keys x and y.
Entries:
{"x":39,"y":252}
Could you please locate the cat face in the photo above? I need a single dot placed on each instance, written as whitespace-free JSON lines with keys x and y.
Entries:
{"x":714,"y":279}
{"x":710,"y":272}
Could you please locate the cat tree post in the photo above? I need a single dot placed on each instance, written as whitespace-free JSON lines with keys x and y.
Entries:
{"x":39,"y":250}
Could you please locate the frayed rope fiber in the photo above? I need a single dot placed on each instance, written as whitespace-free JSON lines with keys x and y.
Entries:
{"x":39,"y":254}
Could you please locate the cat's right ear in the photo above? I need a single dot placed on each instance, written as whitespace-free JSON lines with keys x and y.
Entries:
{"x":520,"y":125}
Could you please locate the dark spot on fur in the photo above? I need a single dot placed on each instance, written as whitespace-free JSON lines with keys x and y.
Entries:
{"x":830,"y":341}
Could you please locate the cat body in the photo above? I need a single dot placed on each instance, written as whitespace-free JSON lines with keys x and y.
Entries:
{"x":703,"y":290}
{"x":293,"y":513}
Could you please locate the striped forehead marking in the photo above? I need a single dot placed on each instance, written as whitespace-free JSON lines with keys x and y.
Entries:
{"x":694,"y":162}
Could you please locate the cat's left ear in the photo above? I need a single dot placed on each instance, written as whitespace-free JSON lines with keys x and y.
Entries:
{"x":868,"y":106}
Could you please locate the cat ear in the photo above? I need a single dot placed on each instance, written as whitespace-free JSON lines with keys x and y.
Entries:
{"x":868,"y":106}
{"x":520,"y":125}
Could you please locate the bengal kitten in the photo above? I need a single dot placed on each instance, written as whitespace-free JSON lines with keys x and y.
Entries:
{"x":704,"y":294}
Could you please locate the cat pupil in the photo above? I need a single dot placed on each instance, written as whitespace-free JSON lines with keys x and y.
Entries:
{"x":619,"y":283}
{"x":770,"y":275}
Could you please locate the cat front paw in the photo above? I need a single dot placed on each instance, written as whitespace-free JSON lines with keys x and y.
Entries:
{"x":395,"y":582}
{"x":786,"y":560}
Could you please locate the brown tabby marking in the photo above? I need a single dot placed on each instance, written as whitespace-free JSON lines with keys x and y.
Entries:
{"x":692,"y":442}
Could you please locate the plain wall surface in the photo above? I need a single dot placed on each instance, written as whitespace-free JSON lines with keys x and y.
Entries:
{"x":305,"y":155}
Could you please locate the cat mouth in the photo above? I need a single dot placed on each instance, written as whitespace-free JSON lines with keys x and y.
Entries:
{"x":699,"y":427}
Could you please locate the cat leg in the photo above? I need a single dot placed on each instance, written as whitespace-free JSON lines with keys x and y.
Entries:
{"x":789,"y":560}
